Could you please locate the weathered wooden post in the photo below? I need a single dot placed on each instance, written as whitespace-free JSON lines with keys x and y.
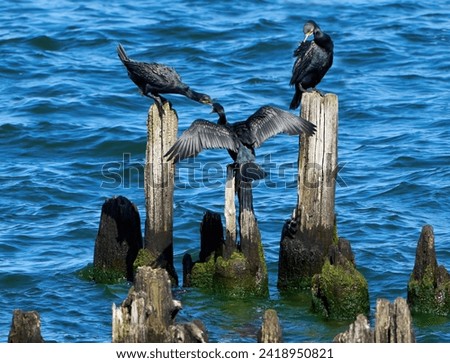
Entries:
{"x":313,"y":255}
{"x":250,"y":237}
{"x":429,"y":284}
{"x":358,"y":332}
{"x":118,"y":241}
{"x":270,"y":331}
{"x":230,"y":212}
{"x":303,"y":256}
{"x":159,"y":188}
{"x":25,"y":327}
{"x":148,"y":313}
{"x":393,"y":324}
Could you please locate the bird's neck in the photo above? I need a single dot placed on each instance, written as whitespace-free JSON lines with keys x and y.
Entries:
{"x":323,"y":40}
{"x":196,"y":96}
{"x":222,"y":118}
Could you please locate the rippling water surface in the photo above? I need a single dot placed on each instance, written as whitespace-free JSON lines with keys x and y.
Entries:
{"x":69,"y":109}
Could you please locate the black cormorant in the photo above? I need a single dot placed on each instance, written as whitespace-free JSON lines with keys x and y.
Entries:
{"x":239,"y":138}
{"x":154,"y":79}
{"x":314,"y":59}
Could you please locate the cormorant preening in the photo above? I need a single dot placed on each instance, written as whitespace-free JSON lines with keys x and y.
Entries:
{"x":154,"y":79}
{"x":314,"y":59}
{"x":240,"y":138}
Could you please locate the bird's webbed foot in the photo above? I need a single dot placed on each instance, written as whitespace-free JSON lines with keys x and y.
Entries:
{"x":322,"y":94}
{"x":300,"y":87}
{"x":159,"y":102}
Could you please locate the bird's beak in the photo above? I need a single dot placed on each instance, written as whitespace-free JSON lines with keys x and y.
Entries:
{"x":307,"y":36}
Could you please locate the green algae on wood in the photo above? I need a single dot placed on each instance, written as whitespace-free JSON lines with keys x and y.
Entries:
{"x":202,"y":274}
{"x":230,"y":277}
{"x":232,"y":270}
{"x":237,"y":277}
{"x":340,"y":292}
{"x":429,"y":284}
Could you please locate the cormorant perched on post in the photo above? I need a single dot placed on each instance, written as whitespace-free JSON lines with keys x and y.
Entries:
{"x":314,"y":59}
{"x":154,"y":79}
{"x":240,"y":138}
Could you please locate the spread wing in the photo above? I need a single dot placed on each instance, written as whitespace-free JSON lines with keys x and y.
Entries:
{"x":202,"y":134}
{"x":269,"y":121}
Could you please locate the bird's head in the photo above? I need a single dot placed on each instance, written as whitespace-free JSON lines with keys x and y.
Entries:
{"x":217,"y":108}
{"x":309,"y":28}
{"x":205,"y":99}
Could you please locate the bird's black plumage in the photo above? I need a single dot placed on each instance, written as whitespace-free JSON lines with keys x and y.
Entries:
{"x":154,"y":79}
{"x":314,"y":59}
{"x":266,"y":122}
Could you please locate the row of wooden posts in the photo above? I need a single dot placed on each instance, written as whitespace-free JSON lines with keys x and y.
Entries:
{"x":302,"y":249}
{"x":132,"y":323}
{"x":312,"y":255}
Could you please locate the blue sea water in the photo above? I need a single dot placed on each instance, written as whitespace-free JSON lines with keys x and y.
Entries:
{"x":69,"y":114}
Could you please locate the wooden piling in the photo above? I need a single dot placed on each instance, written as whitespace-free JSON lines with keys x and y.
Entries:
{"x":303,"y":256}
{"x":317,"y":169}
{"x":250,"y":237}
{"x":118,"y":241}
{"x":148,"y":313}
{"x":211,"y":247}
{"x":241,"y":269}
{"x":270,"y":331}
{"x":211,"y":236}
{"x":429,"y":284}
{"x":159,"y":187}
{"x":230,"y":212}
{"x":311,"y":253}
{"x":25,"y":327}
{"x":358,"y":332}
{"x":393,"y":324}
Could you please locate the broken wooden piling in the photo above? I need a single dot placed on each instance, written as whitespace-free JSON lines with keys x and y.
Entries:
{"x":211,"y":236}
{"x":240,"y":269}
{"x":393,"y":324}
{"x":159,"y":187}
{"x":148,"y":313}
{"x":25,"y":327}
{"x":211,"y":247}
{"x":429,"y":284}
{"x":270,"y":331}
{"x":118,"y":241}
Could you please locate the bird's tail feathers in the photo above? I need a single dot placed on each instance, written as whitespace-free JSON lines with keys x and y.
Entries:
{"x":122,"y":54}
{"x":296,"y":99}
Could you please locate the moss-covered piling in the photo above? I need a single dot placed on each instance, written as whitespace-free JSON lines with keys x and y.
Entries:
{"x":429,"y":284}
